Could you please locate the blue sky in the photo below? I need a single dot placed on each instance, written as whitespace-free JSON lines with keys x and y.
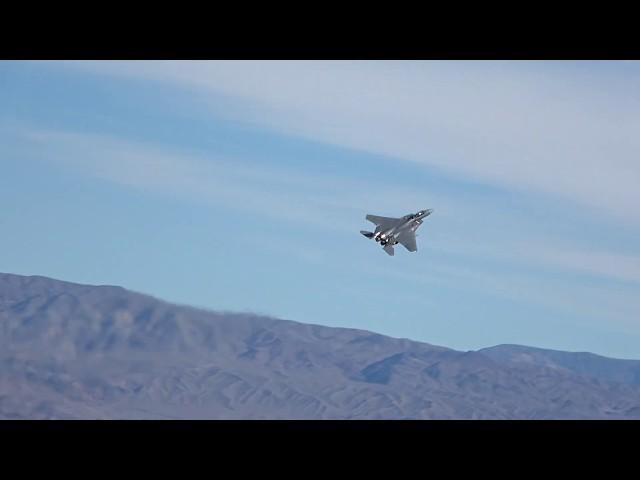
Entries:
{"x":242,"y":186}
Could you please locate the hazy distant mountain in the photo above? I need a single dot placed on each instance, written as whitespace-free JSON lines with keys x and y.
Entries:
{"x":78,"y":351}
{"x":582,"y":363}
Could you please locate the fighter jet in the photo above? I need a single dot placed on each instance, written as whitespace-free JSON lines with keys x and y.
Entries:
{"x":391,"y":231}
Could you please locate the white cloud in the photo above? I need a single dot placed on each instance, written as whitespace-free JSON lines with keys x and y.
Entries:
{"x":333,"y":204}
{"x":186,"y":175}
{"x":598,"y":263}
{"x":532,"y":126}
{"x":592,"y":303}
{"x":328,"y":202}
{"x":325,"y":201}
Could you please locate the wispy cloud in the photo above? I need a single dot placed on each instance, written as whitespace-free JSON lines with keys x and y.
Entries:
{"x":619,"y":306}
{"x":523,"y":125}
{"x":532,"y":169}
{"x":597,"y":263}
{"x":186,"y":175}
{"x":324,"y":201}
{"x":332,"y":204}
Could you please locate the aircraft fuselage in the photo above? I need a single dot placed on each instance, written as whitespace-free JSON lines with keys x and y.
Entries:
{"x":391,"y":231}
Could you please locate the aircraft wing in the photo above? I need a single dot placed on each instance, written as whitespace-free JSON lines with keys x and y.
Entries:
{"x":408,"y":240}
{"x":382,"y":222}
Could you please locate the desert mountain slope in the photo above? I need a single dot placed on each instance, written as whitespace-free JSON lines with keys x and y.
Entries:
{"x":79,"y":351}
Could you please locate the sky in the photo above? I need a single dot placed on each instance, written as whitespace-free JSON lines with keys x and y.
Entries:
{"x":243,"y":185}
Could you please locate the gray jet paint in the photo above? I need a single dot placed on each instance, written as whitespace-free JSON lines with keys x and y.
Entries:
{"x":391,"y":231}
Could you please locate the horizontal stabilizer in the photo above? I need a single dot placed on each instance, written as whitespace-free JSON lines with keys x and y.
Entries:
{"x":367,"y":234}
{"x":389,"y":249}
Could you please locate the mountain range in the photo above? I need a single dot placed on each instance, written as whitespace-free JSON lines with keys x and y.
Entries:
{"x":71,"y":351}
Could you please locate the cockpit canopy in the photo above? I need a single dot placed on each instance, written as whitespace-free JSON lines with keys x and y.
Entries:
{"x":417,"y":215}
